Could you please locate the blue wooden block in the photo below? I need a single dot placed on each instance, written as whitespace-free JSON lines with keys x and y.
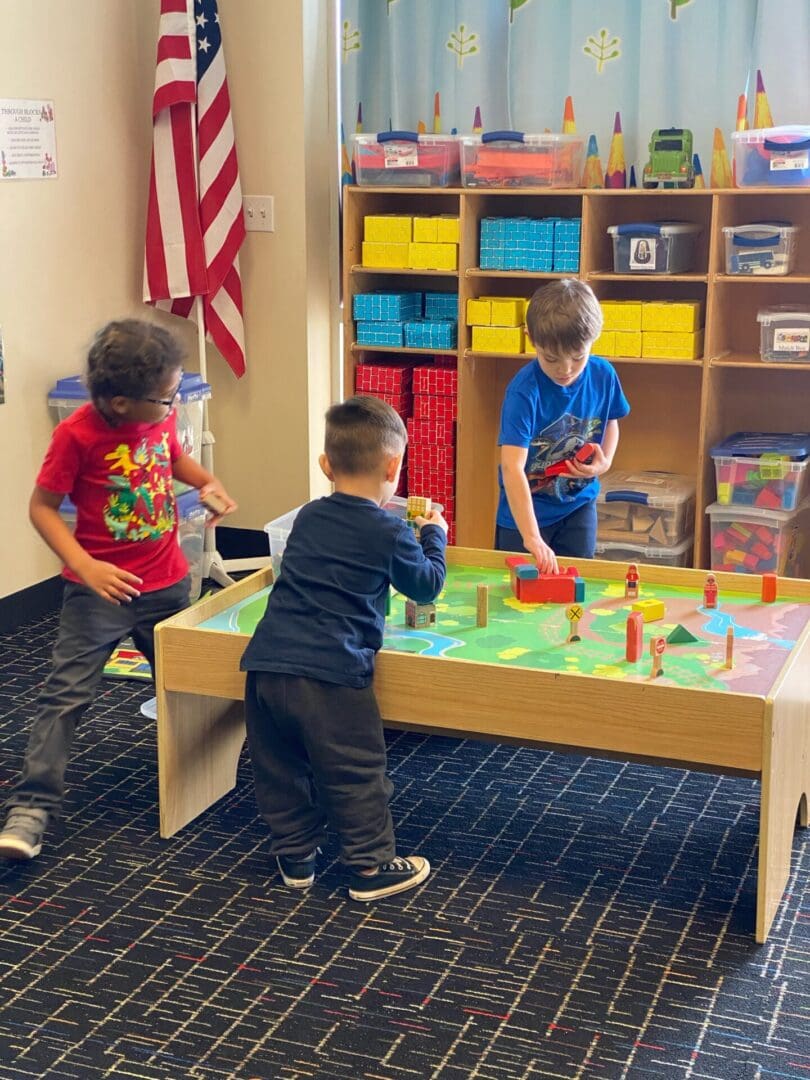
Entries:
{"x":579,"y":590}
{"x":528,"y":572}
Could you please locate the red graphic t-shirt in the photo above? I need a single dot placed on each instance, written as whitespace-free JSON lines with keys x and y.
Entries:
{"x":120,"y":480}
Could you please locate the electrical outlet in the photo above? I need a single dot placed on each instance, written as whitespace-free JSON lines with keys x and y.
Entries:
{"x":258,"y":212}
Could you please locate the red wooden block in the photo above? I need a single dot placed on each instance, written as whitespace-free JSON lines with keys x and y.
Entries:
{"x":769,"y":499}
{"x":635,"y":637}
{"x":768,"y":588}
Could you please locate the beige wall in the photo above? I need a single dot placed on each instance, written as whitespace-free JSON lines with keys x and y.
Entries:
{"x":71,"y":249}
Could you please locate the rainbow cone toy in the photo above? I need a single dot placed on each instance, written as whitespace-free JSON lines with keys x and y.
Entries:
{"x":592,"y":176}
{"x":616,"y":173}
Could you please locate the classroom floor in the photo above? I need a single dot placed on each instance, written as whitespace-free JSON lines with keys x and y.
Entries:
{"x":585,"y":917}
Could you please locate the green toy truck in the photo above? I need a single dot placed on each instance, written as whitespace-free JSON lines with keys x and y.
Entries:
{"x":670,"y":159}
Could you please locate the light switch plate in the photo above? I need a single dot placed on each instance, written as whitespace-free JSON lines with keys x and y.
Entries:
{"x":258,"y":212}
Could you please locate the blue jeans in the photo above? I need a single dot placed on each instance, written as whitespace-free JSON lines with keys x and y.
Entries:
{"x":573,"y":536}
{"x":90,"y":628}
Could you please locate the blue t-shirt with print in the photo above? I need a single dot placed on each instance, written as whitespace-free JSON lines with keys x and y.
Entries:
{"x":552,"y":422}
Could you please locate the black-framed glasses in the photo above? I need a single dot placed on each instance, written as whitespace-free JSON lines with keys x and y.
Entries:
{"x":168,"y":402}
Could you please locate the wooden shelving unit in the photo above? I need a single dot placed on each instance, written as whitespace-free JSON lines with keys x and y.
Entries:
{"x":680,"y":408}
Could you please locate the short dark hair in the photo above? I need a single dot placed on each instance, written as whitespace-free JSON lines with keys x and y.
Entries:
{"x":564,"y":315}
{"x":129,"y":357}
{"x":360,"y":432}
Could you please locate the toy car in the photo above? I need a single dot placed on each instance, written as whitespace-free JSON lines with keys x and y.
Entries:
{"x":670,"y":159}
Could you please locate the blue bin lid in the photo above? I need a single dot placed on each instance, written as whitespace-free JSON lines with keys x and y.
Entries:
{"x":192,"y":388}
{"x":795,"y":445}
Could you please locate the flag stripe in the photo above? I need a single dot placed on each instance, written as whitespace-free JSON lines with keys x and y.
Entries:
{"x":193,"y":237}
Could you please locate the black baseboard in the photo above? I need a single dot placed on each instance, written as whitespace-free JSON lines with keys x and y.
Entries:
{"x":30,"y":604}
{"x":242,"y":543}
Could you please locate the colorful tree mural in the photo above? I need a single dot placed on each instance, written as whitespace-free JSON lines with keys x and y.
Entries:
{"x":602,"y":49}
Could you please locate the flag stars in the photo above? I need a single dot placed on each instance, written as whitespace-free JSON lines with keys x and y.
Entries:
{"x":202,"y":21}
{"x":203,"y":45}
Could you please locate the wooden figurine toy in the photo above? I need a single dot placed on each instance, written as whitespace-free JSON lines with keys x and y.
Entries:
{"x":573,"y":613}
{"x":482,"y":605}
{"x":710,"y":592}
{"x":657,"y":646}
{"x":730,"y":648}
{"x":631,"y":582}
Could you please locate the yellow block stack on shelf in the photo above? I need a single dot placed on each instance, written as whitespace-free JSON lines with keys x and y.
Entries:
{"x":417,"y":243}
{"x":497,"y":323}
{"x":653,"y":329}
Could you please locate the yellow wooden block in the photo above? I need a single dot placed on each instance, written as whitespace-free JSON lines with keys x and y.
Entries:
{"x":628,"y":343}
{"x":621,"y":314}
{"x":432,"y":256}
{"x":447,"y":229}
{"x":605,"y":344}
{"x":651,"y":610}
{"x":497,"y":339}
{"x":426,"y":230}
{"x":393,"y":255}
{"x":479,"y":311}
{"x":507,"y":311}
{"x":390,"y":228}
{"x":672,"y":346}
{"x":672,"y":316}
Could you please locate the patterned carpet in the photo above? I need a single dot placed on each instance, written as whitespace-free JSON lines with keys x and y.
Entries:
{"x":585,"y":918}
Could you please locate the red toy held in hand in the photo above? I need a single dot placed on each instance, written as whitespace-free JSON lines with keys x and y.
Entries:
{"x":584,"y":456}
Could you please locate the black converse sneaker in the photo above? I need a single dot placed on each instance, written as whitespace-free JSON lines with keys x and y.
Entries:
{"x":391,"y":877}
{"x":298,"y":873}
{"x":22,"y":834}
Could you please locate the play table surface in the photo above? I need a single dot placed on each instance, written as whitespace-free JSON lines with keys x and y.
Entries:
{"x":517,"y":680}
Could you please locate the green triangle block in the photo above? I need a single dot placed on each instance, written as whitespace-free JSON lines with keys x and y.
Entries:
{"x":680,"y":636}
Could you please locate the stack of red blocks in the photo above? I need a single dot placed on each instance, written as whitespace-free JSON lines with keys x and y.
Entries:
{"x":432,"y":437}
{"x":393,"y":382}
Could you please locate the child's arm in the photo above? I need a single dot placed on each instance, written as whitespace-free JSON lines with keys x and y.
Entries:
{"x":603,"y":455}
{"x":418,"y":567}
{"x":519,"y":497}
{"x":188,"y":471}
{"x":109,"y":581}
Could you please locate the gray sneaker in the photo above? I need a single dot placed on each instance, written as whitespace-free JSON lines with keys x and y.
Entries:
{"x":21,"y":837}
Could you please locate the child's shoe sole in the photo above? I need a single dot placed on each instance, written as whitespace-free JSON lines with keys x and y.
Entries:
{"x":16,"y":849}
{"x":297,"y":875}
{"x":364,"y":894}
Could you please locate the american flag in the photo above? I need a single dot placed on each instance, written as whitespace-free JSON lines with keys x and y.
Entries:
{"x":192,"y":243}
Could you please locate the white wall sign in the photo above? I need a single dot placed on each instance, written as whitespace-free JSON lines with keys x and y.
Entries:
{"x":27,"y":139}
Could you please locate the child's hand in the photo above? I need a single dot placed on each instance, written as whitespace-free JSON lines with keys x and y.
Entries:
{"x":599,"y":464}
{"x":109,"y":581}
{"x":544,"y":556}
{"x":433,"y":518}
{"x":216,"y":499}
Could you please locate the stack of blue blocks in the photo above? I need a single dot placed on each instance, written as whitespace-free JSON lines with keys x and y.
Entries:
{"x":534,"y":244}
{"x":395,"y":320}
{"x":566,"y":244}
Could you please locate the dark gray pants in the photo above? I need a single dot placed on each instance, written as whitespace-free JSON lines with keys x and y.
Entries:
{"x":90,"y":628}
{"x":318,"y":754}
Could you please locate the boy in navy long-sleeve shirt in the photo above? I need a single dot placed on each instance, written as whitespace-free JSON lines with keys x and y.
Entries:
{"x":314,"y":728}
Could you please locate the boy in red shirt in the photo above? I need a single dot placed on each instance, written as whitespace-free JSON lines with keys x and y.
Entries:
{"x":115,"y":457}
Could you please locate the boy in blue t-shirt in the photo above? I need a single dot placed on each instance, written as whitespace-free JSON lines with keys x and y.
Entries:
{"x":314,"y":729}
{"x":551,"y":409}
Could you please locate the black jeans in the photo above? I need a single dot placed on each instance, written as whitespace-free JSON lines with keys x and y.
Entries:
{"x":573,"y":537}
{"x":90,"y":628}
{"x":318,"y":754}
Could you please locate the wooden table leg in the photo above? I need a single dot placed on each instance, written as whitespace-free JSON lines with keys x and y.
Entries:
{"x":199,"y":740}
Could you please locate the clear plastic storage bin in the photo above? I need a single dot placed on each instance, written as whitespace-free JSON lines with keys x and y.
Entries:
{"x":680,"y":555}
{"x":191,"y":518}
{"x":747,"y":540}
{"x":654,"y":247}
{"x":279,"y":530}
{"x":514,"y":159}
{"x":784,"y":335}
{"x":654,"y":509}
{"x":772,"y":157}
{"x":68,"y":394}
{"x":761,"y":248}
{"x":763,"y":469}
{"x":406,"y":159}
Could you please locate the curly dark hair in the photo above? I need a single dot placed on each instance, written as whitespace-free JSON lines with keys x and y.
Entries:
{"x":360,"y":432}
{"x":129,"y":357}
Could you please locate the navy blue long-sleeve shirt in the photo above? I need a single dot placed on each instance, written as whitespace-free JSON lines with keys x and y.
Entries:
{"x":326,"y":613}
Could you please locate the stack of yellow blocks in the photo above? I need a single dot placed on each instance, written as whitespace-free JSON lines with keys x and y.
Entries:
{"x":498,"y":324}
{"x":415,"y":243}
{"x":654,"y":329}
